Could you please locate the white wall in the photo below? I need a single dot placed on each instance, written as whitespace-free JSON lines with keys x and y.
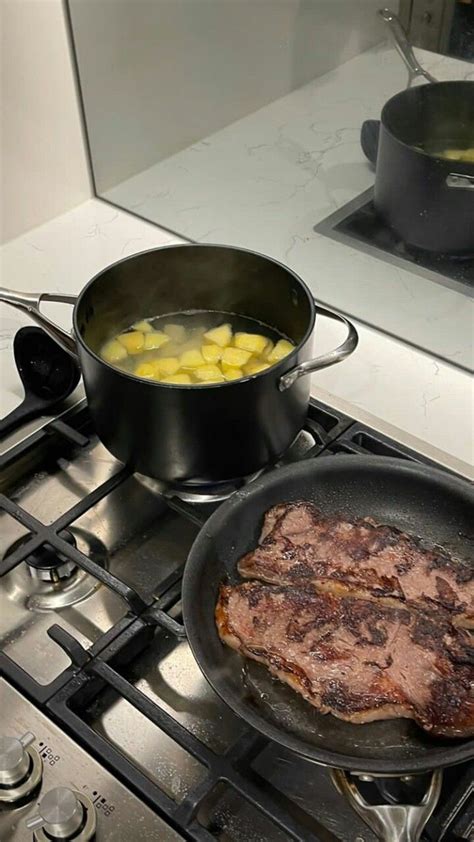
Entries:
{"x":158,"y":75}
{"x":43,"y":163}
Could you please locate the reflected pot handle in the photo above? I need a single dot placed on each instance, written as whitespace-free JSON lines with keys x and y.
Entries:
{"x":391,"y":822}
{"x":404,"y":48}
{"x":29,"y":302}
{"x":325,"y":360}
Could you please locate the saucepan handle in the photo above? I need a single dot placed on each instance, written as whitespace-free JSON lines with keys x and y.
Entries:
{"x":391,"y":822}
{"x":29,"y":302}
{"x":403,"y":47}
{"x":460,"y":181}
{"x":325,"y":360}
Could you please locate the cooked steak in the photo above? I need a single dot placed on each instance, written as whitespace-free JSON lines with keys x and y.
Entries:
{"x":300,"y":544}
{"x":358,"y":659}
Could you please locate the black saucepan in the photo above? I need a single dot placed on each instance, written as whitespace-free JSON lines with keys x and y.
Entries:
{"x":425,"y":198}
{"x":421,"y":500}
{"x":193,"y":434}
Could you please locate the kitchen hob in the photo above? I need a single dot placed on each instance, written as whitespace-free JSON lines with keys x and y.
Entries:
{"x":110,"y":731}
{"x":358,"y":225}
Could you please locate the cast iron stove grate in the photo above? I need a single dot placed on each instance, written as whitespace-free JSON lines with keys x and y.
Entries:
{"x":135,"y":697}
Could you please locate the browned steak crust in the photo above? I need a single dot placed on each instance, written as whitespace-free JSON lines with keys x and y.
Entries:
{"x":299,"y":544}
{"x":358,"y":659}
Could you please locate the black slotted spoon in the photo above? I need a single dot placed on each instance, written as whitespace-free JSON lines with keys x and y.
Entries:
{"x":47,"y":372}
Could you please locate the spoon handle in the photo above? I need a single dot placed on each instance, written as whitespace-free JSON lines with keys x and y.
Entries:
{"x":27,"y":409}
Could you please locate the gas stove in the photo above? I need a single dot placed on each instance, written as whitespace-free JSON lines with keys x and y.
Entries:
{"x":357,"y":224}
{"x":109,"y":729}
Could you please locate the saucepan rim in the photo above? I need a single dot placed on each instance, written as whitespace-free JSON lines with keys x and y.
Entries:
{"x":274,"y":371}
{"x":410,"y":93}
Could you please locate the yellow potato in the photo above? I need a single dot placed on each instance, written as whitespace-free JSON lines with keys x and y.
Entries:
{"x":209,"y":374}
{"x":165,"y":367}
{"x":180,"y":379}
{"x":155,"y":339}
{"x":132,"y":341}
{"x":254,"y":366}
{"x":235,"y":357}
{"x":173,"y":349}
{"x":458,"y":155}
{"x":145,"y":370}
{"x":113,"y":352}
{"x":192,"y":359}
{"x":211,"y":353}
{"x":281,"y":349}
{"x":268,"y":349}
{"x":253,"y":342}
{"x":221,"y":335}
{"x":175,"y":332}
{"x":231,"y":373}
{"x":142,"y":325}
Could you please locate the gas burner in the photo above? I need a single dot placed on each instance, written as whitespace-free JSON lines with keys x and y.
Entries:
{"x":219,"y":491}
{"x":49,"y":581}
{"x":195,"y":493}
{"x":48,"y":565}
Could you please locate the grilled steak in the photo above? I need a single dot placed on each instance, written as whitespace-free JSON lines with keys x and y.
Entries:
{"x":359,"y":659}
{"x":299,"y":544}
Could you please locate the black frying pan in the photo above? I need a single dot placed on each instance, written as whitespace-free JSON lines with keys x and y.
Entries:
{"x":421,"y":500}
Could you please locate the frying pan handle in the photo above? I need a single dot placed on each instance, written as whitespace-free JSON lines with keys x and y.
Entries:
{"x":403,"y":47}
{"x":391,"y":822}
{"x":325,"y":360}
{"x":29,"y":302}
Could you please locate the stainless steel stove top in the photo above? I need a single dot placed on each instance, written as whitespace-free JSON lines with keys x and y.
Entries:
{"x":96,"y":665}
{"x":118,"y":815}
{"x":429,"y":305}
{"x":359,"y":225}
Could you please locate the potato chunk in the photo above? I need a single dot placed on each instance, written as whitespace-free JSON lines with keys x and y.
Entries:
{"x":113,"y":352}
{"x":255,"y":366}
{"x":231,"y":373}
{"x":253,"y":342}
{"x":175,"y":332}
{"x":209,"y":374}
{"x":145,"y":370}
{"x":281,"y":349}
{"x":180,"y":379}
{"x":133,"y":341}
{"x":142,"y":325}
{"x":268,"y":349}
{"x":211,"y":353}
{"x":221,"y":335}
{"x":155,"y":339}
{"x":192,"y":359}
{"x":165,"y":367}
{"x":235,"y":357}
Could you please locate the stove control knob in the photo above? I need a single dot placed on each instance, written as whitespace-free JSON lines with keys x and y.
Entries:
{"x":14,"y":759}
{"x":21,"y":767}
{"x":63,"y":814}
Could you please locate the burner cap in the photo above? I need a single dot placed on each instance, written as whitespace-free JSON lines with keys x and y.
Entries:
{"x":48,"y":565}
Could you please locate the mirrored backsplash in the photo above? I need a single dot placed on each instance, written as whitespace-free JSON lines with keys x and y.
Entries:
{"x":238,"y":122}
{"x":160,"y":75}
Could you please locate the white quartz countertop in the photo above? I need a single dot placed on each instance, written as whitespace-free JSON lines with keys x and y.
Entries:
{"x":424,"y":403}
